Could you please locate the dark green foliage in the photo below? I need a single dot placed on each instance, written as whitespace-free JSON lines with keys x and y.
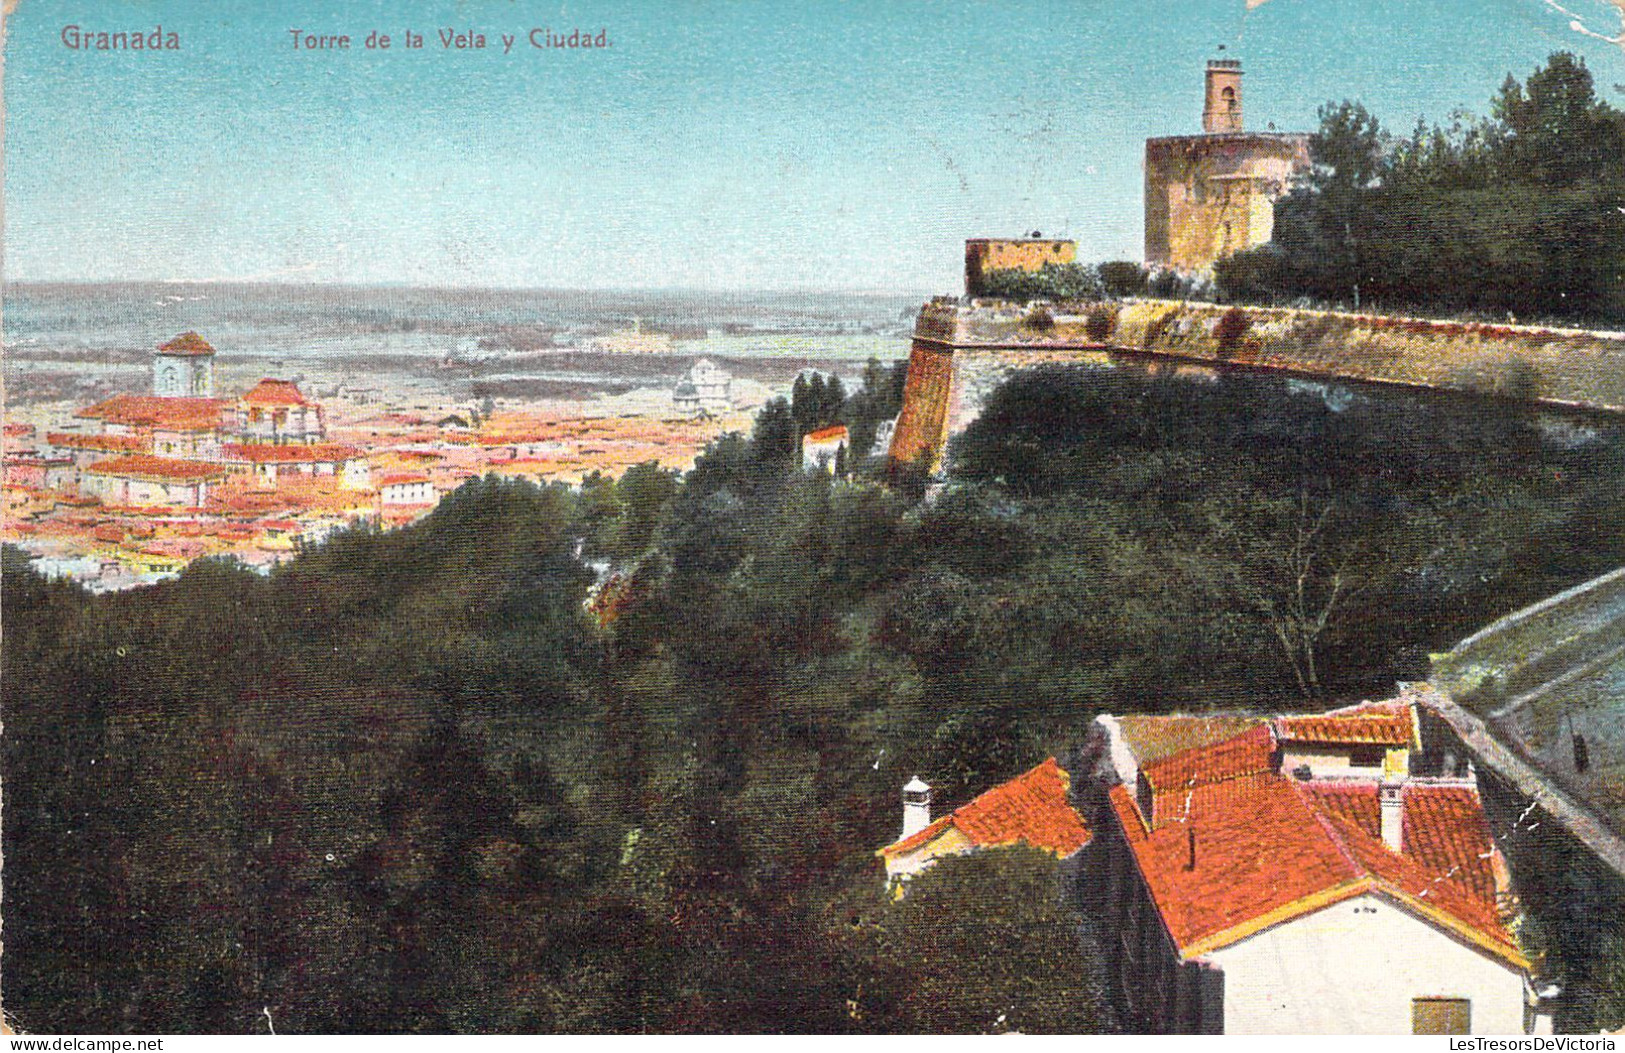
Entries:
{"x":1100,"y":324}
{"x":879,"y":399}
{"x":1256,"y":276}
{"x":1054,"y":281}
{"x":1171,"y":285}
{"x":980,"y":944}
{"x":1608,"y":979}
{"x":775,"y":438}
{"x":1514,"y":214}
{"x":1120,"y":278}
{"x":1225,"y":519}
{"x":816,"y":402}
{"x":1039,"y":320}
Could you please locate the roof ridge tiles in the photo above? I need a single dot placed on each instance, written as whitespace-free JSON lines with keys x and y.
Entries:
{"x":1325,"y":822}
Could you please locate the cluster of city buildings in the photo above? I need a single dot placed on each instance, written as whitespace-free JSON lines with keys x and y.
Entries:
{"x":134,"y":487}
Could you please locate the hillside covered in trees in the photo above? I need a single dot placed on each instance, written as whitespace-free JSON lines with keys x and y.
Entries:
{"x":448,"y":778}
{"x":1521,"y":212}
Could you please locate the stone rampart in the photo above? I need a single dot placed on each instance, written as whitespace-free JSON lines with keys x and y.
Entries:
{"x":962,"y":352}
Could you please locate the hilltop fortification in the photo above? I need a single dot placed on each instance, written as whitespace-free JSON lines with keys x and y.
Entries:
{"x":1210,"y":195}
{"x":962,"y":352}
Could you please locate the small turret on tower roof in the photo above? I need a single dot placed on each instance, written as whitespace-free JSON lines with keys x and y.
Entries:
{"x":1221,"y":112}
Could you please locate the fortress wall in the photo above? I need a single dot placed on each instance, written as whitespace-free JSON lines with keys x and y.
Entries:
{"x":961,"y":353}
{"x":921,"y":435}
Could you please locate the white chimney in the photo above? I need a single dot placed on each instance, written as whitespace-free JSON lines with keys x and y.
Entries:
{"x":916,"y":806}
{"x":1391,"y":800}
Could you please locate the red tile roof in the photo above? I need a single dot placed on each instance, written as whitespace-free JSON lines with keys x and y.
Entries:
{"x":402,"y":479}
{"x":158,"y":411}
{"x":105,"y":443}
{"x":1031,"y":808}
{"x":826,"y":434}
{"x":1171,"y":779}
{"x":269,"y":392}
{"x":188,"y":343}
{"x":157,"y":469}
{"x":1152,"y":737}
{"x":1268,"y":848}
{"x":1445,"y":833}
{"x":289,"y":453}
{"x":1375,"y":723}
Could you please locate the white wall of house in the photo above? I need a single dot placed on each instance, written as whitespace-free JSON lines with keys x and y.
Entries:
{"x":949,"y":842}
{"x":280,"y":423}
{"x":121,"y":490}
{"x":820,"y":456}
{"x":407,"y":493}
{"x":357,"y":475}
{"x":1331,"y":762}
{"x":168,"y":442}
{"x":1354,"y":968}
{"x":62,"y":477}
{"x":1340,"y":761}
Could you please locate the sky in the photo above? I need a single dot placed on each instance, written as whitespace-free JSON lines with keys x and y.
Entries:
{"x":710,"y":145}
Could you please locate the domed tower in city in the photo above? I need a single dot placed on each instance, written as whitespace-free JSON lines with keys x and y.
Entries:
{"x":184,"y":368}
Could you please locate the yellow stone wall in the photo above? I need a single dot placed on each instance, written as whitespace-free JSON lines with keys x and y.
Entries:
{"x":1209,"y":196}
{"x":1013,"y":254}
{"x":961,"y":354}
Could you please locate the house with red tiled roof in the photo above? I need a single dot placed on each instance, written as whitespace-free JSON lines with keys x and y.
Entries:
{"x":142,"y":479}
{"x":129,"y":450}
{"x":143,"y":414}
{"x":822,"y":450}
{"x":407,"y":488}
{"x":1302,"y":876}
{"x":1032,"y":809}
{"x":277,"y":411}
{"x":270,"y":461}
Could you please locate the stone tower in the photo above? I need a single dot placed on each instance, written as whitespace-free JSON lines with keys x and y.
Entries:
{"x":1211,"y":195}
{"x":184,"y":368}
{"x":1221,"y":112}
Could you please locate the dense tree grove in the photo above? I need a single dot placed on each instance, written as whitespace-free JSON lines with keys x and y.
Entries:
{"x":1517,"y":213}
{"x":448,"y":778}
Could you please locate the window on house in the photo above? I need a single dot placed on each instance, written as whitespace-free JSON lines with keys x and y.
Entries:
{"x":1441,"y":1016}
{"x":1366,"y":756}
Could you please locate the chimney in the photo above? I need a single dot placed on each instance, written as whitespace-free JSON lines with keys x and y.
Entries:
{"x":1391,"y":800}
{"x":1190,"y":845}
{"x":916,"y":806}
{"x":1221,"y":110}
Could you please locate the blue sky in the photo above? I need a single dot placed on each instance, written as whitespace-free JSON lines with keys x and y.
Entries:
{"x":712,"y":145}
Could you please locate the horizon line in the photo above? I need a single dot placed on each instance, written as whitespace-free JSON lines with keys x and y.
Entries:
{"x":612,"y":289}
